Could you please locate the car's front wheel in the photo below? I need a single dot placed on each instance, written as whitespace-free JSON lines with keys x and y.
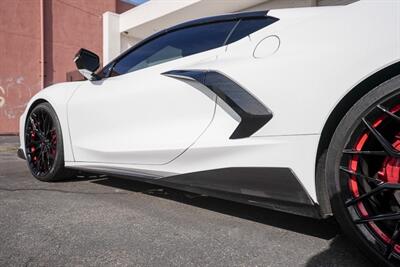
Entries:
{"x":44,"y":145}
{"x":363,"y":170}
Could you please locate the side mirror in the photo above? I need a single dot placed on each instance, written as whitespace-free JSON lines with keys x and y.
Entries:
{"x":87,"y":63}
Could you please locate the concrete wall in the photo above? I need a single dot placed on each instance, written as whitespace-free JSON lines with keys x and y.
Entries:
{"x":68,"y":26}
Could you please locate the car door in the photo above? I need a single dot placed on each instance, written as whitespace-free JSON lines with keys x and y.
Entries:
{"x":139,"y":116}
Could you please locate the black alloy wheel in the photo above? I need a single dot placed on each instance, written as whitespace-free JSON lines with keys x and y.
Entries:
{"x":365,"y":176}
{"x":44,"y":144}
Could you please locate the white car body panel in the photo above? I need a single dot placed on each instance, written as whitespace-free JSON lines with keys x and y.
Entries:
{"x":145,"y":121}
{"x":140,"y":117}
{"x":57,"y":95}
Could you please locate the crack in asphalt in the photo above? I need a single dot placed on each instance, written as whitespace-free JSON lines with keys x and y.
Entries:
{"x":62,"y":191}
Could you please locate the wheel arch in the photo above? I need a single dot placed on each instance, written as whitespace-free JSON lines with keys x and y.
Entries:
{"x":334,"y":119}
{"x":64,"y":129}
{"x":35,"y":103}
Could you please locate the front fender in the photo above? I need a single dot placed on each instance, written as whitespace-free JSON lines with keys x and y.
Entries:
{"x":57,"y":96}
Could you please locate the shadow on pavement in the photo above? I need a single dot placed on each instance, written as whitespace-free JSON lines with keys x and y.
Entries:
{"x":339,"y":246}
{"x":324,"y":229}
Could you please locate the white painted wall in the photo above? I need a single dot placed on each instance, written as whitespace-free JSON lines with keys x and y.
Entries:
{"x":275,"y":4}
{"x":128,"y":41}
{"x":111,"y":37}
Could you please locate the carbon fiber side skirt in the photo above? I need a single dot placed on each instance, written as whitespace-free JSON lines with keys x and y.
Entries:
{"x":273,"y":188}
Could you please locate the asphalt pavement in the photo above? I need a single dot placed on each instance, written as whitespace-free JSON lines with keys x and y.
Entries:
{"x":101,"y":221}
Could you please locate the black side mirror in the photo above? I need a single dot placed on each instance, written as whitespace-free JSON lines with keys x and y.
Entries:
{"x":87,"y":63}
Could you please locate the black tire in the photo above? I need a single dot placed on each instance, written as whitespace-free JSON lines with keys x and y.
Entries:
{"x":44,"y":145}
{"x":347,"y":161}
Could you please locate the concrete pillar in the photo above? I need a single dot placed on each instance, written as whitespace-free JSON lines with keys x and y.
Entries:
{"x":111,"y":37}
{"x":128,"y":41}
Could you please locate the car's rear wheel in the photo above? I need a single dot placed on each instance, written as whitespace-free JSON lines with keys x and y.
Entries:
{"x":363,"y":172}
{"x":44,"y":145}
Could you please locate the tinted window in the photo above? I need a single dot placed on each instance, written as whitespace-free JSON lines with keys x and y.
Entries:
{"x":248,"y":26}
{"x":173,"y":45}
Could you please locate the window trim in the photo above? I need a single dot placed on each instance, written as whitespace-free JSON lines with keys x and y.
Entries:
{"x":269,"y":19}
{"x":232,"y":31}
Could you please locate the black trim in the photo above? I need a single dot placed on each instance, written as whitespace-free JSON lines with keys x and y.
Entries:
{"x":252,"y":112}
{"x":206,"y":20}
{"x":269,"y":183}
{"x":273,"y":188}
{"x":220,"y":18}
{"x":21,"y":154}
{"x":139,"y":174}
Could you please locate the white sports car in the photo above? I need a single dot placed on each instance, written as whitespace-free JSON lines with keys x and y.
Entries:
{"x":296,"y":110}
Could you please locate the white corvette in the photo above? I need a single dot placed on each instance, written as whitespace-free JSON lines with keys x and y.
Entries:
{"x":296,"y":110}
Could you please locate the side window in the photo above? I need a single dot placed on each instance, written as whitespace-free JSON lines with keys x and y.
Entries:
{"x":173,"y":45}
{"x":248,"y":26}
{"x":106,"y":70}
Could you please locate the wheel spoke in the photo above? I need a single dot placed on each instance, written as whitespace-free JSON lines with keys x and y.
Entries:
{"x":379,"y":188}
{"x":34,"y":125}
{"x":35,"y":152}
{"x":381,"y":217}
{"x":392,"y":243}
{"x":371,"y":153}
{"x":49,"y":125}
{"x":42,"y":122}
{"x":37,"y":162}
{"x":45,"y":125}
{"x":369,"y":179}
{"x":42,"y":162}
{"x":35,"y":145}
{"x":382,"y":140}
{"x":46,"y":161}
{"x":388,"y":112}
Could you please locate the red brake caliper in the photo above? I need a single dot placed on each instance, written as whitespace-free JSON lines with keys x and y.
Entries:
{"x":391,"y":168}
